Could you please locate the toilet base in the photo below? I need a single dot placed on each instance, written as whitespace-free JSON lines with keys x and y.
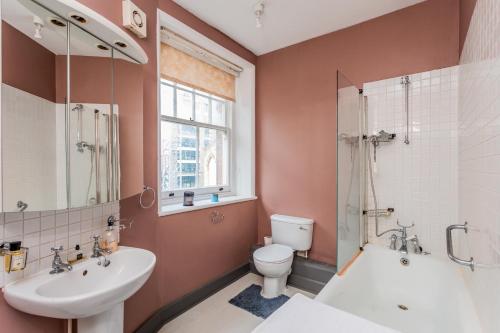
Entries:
{"x":274,"y":286}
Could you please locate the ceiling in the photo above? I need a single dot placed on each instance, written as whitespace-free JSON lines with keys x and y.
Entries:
{"x":287,"y":22}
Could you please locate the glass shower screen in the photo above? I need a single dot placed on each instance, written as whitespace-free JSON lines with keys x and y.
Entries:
{"x":348,"y":170}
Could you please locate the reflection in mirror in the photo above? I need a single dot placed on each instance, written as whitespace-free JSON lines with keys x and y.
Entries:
{"x":90,"y":134}
{"x":128,"y":100}
{"x":34,"y":48}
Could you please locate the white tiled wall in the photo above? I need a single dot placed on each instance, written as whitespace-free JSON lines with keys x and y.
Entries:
{"x":479,"y":159}
{"x":29,"y":156}
{"x":418,"y":180}
{"x":39,"y":231}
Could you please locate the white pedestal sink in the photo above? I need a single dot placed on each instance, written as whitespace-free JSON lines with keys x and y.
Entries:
{"x":91,"y":293}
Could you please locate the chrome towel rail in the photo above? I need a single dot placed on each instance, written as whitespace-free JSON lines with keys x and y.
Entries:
{"x":449,"y":246}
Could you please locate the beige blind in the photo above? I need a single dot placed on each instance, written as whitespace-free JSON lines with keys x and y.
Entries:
{"x":182,"y":68}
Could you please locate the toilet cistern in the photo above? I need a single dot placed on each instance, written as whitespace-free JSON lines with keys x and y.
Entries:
{"x":274,"y":261}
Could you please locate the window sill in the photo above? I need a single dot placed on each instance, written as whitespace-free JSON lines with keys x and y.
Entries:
{"x":178,"y":208}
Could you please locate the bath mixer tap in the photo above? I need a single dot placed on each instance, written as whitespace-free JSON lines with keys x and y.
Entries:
{"x":394,"y":239}
{"x":415,"y":244}
{"x":58,"y":266}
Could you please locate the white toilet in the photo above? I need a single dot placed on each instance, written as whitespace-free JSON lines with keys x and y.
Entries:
{"x":274,"y":261}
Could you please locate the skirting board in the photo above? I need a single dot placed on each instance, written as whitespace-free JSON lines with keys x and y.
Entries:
{"x":307,"y":274}
{"x":176,"y":308}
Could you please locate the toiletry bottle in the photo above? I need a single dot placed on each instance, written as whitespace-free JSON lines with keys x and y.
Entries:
{"x":110,"y":239}
{"x":15,"y":256}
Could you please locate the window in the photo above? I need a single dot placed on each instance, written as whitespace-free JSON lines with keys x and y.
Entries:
{"x":195,"y":141}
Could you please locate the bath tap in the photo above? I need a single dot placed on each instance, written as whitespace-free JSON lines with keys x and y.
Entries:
{"x":394,"y":239}
{"x":415,"y":243}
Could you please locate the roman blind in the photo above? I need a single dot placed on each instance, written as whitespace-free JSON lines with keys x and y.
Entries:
{"x":186,"y":63}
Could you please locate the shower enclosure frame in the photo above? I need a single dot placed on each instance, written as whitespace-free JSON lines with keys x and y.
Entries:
{"x":359,"y":126}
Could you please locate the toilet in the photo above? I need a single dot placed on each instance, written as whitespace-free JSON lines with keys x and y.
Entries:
{"x":274,"y":261}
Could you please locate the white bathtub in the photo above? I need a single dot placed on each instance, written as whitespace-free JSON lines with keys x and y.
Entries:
{"x":433,"y":290}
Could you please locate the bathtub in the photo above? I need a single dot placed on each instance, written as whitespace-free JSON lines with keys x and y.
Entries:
{"x":426,"y":296}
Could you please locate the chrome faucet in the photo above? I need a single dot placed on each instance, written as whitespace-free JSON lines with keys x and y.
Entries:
{"x":58,"y":266}
{"x":415,"y":244}
{"x":394,"y":239}
{"x":99,"y":252}
{"x":404,"y":238}
{"x":413,"y":240}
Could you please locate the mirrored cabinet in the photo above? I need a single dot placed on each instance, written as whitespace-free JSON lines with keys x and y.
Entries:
{"x":71,"y":113}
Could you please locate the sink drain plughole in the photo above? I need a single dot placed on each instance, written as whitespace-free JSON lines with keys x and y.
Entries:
{"x":404,"y":261}
{"x":403,"y":307}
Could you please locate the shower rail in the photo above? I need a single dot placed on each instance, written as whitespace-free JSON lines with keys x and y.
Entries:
{"x":405,"y":81}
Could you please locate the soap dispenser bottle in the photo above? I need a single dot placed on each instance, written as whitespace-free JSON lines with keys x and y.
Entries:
{"x":110,"y":239}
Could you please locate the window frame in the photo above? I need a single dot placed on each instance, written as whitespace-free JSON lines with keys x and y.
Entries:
{"x":175,"y":196}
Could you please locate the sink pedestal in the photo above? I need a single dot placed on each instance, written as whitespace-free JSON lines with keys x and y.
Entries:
{"x":110,"y":321}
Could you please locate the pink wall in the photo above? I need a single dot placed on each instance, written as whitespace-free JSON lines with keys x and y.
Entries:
{"x":296,"y":106}
{"x":27,"y":65}
{"x":191,"y":251}
{"x":297,"y":81}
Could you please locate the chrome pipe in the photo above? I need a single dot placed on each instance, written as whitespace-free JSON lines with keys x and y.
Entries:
{"x":97,"y":158}
{"x":68,"y":115}
{"x":116,"y":153}
{"x":405,"y":81}
{"x":108,"y":157}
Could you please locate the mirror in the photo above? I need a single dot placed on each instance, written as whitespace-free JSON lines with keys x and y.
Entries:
{"x":91,"y":96}
{"x":128,"y":101}
{"x":33,"y":108}
{"x":60,"y":131}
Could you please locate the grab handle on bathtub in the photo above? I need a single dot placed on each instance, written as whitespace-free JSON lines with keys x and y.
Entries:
{"x":449,"y":246}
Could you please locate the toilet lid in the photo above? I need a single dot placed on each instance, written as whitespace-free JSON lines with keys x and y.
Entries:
{"x":274,"y":253}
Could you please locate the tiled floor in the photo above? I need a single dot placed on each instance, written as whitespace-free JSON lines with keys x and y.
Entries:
{"x":215,"y":314}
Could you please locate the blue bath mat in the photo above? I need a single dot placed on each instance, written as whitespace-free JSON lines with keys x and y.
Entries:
{"x":251,"y":301}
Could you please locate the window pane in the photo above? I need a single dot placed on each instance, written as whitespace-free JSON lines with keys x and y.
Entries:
{"x":202,"y":109}
{"x":219,"y":112}
{"x":184,"y":105}
{"x":167,"y":100}
{"x":178,"y":156}
{"x":213,"y":167}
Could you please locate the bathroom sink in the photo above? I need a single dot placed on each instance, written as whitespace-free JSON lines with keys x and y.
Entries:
{"x":88,"y":290}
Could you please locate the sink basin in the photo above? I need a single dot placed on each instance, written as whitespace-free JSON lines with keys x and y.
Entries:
{"x":88,"y":290}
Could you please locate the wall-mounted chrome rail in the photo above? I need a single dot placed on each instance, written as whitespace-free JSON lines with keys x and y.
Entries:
{"x":449,"y":246}
{"x":379,"y":212}
{"x":405,"y":81}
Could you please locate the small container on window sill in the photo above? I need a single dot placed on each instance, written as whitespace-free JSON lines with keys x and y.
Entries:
{"x":214,"y":197}
{"x":188,"y":198}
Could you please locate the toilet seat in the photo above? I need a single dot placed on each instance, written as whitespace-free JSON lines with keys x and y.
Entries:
{"x":273,"y":254}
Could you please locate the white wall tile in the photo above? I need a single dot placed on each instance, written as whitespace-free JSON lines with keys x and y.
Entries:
{"x":479,"y":158}
{"x":418,"y":180}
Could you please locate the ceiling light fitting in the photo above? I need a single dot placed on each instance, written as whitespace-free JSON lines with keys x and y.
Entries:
{"x":259,"y":11}
{"x":38,"y":23}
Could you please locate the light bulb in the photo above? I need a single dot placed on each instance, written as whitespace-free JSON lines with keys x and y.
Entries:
{"x":38,"y":31}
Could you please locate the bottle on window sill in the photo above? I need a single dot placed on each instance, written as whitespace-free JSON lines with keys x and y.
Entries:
{"x":188,"y":198}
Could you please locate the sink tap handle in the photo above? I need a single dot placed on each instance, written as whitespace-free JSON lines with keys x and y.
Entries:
{"x":56,"y":250}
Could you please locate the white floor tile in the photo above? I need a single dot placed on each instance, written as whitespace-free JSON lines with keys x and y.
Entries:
{"x":215,"y":314}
